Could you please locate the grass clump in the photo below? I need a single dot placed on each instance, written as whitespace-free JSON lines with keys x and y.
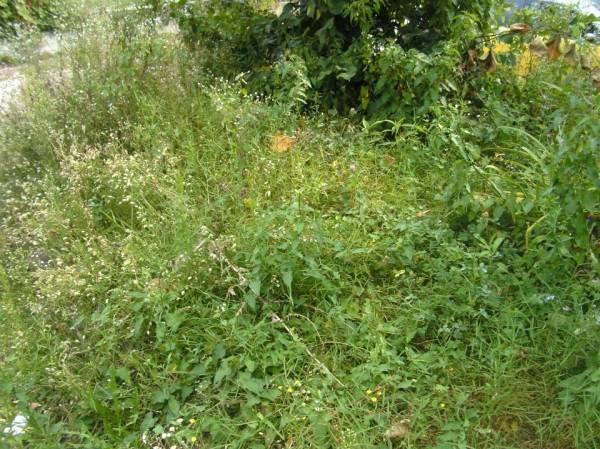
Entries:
{"x":184,"y":264}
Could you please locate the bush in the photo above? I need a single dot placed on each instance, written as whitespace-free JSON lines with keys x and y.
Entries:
{"x":383,"y":58}
{"x":28,"y":13}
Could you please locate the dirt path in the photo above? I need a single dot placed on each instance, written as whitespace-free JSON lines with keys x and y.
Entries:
{"x":11,"y":81}
{"x":12,"y":77}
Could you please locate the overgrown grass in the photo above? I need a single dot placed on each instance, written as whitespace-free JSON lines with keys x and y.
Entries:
{"x":186,"y":265}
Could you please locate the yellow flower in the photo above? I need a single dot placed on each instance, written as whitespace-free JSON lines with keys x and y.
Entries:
{"x":193,"y":439}
{"x":192,"y":421}
{"x":374,"y":399}
{"x":280,"y":387}
{"x":369,"y":391}
{"x":290,"y":390}
{"x":443,"y":405}
{"x":297,"y":383}
{"x":379,"y":393}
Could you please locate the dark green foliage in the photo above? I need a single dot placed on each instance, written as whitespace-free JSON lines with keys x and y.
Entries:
{"x":383,"y":58}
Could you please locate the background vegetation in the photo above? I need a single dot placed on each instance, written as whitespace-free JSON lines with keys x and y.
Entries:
{"x":39,"y":13}
{"x":193,"y":259}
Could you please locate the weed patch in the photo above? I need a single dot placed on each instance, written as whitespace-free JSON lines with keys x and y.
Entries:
{"x":187,"y":264}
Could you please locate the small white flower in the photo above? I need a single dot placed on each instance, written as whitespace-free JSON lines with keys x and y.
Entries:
{"x":18,"y":425}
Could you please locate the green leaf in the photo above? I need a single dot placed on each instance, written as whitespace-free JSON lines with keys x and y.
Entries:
{"x":173,"y":406}
{"x":223,"y":372}
{"x":255,"y":286}
{"x":287,"y":277}
{"x":247,"y":382}
{"x":123,"y":374}
{"x":250,"y":299}
{"x":159,"y":397}
{"x":148,"y":422}
{"x":219,"y":351}
{"x":174,"y":320}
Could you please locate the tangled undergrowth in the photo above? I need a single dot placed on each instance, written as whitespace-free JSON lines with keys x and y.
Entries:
{"x":188,"y":265}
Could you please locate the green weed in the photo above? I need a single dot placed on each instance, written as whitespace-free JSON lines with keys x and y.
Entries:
{"x":188,"y":265}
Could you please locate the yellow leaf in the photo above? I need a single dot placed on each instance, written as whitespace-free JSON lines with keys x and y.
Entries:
{"x":514,"y":425}
{"x":280,"y":143}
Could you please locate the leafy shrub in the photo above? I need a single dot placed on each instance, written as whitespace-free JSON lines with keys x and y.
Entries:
{"x":38,"y":13}
{"x":383,"y":58}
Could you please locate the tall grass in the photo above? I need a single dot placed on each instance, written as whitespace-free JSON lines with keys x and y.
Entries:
{"x":187,"y":265}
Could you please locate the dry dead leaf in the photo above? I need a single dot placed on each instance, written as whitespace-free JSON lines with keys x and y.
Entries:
{"x":508,"y":425}
{"x":470,"y":60}
{"x":586,"y":62}
{"x":398,"y":430}
{"x":390,"y":160}
{"x":554,"y":47}
{"x":571,"y":56}
{"x":489,"y":61}
{"x":280,"y":143}
{"x":538,"y":47}
{"x":596,"y":78}
{"x":522,"y":28}
{"x":158,"y":283}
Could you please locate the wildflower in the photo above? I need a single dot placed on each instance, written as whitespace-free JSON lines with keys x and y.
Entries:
{"x":280,"y":387}
{"x":290,"y":390}
{"x":442,"y":405}
{"x":374,"y":399}
{"x":18,"y":425}
{"x":192,"y":421}
{"x":297,"y":383}
{"x":369,"y":391}
{"x":379,"y":393}
{"x":193,"y":439}
{"x":179,"y":420}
